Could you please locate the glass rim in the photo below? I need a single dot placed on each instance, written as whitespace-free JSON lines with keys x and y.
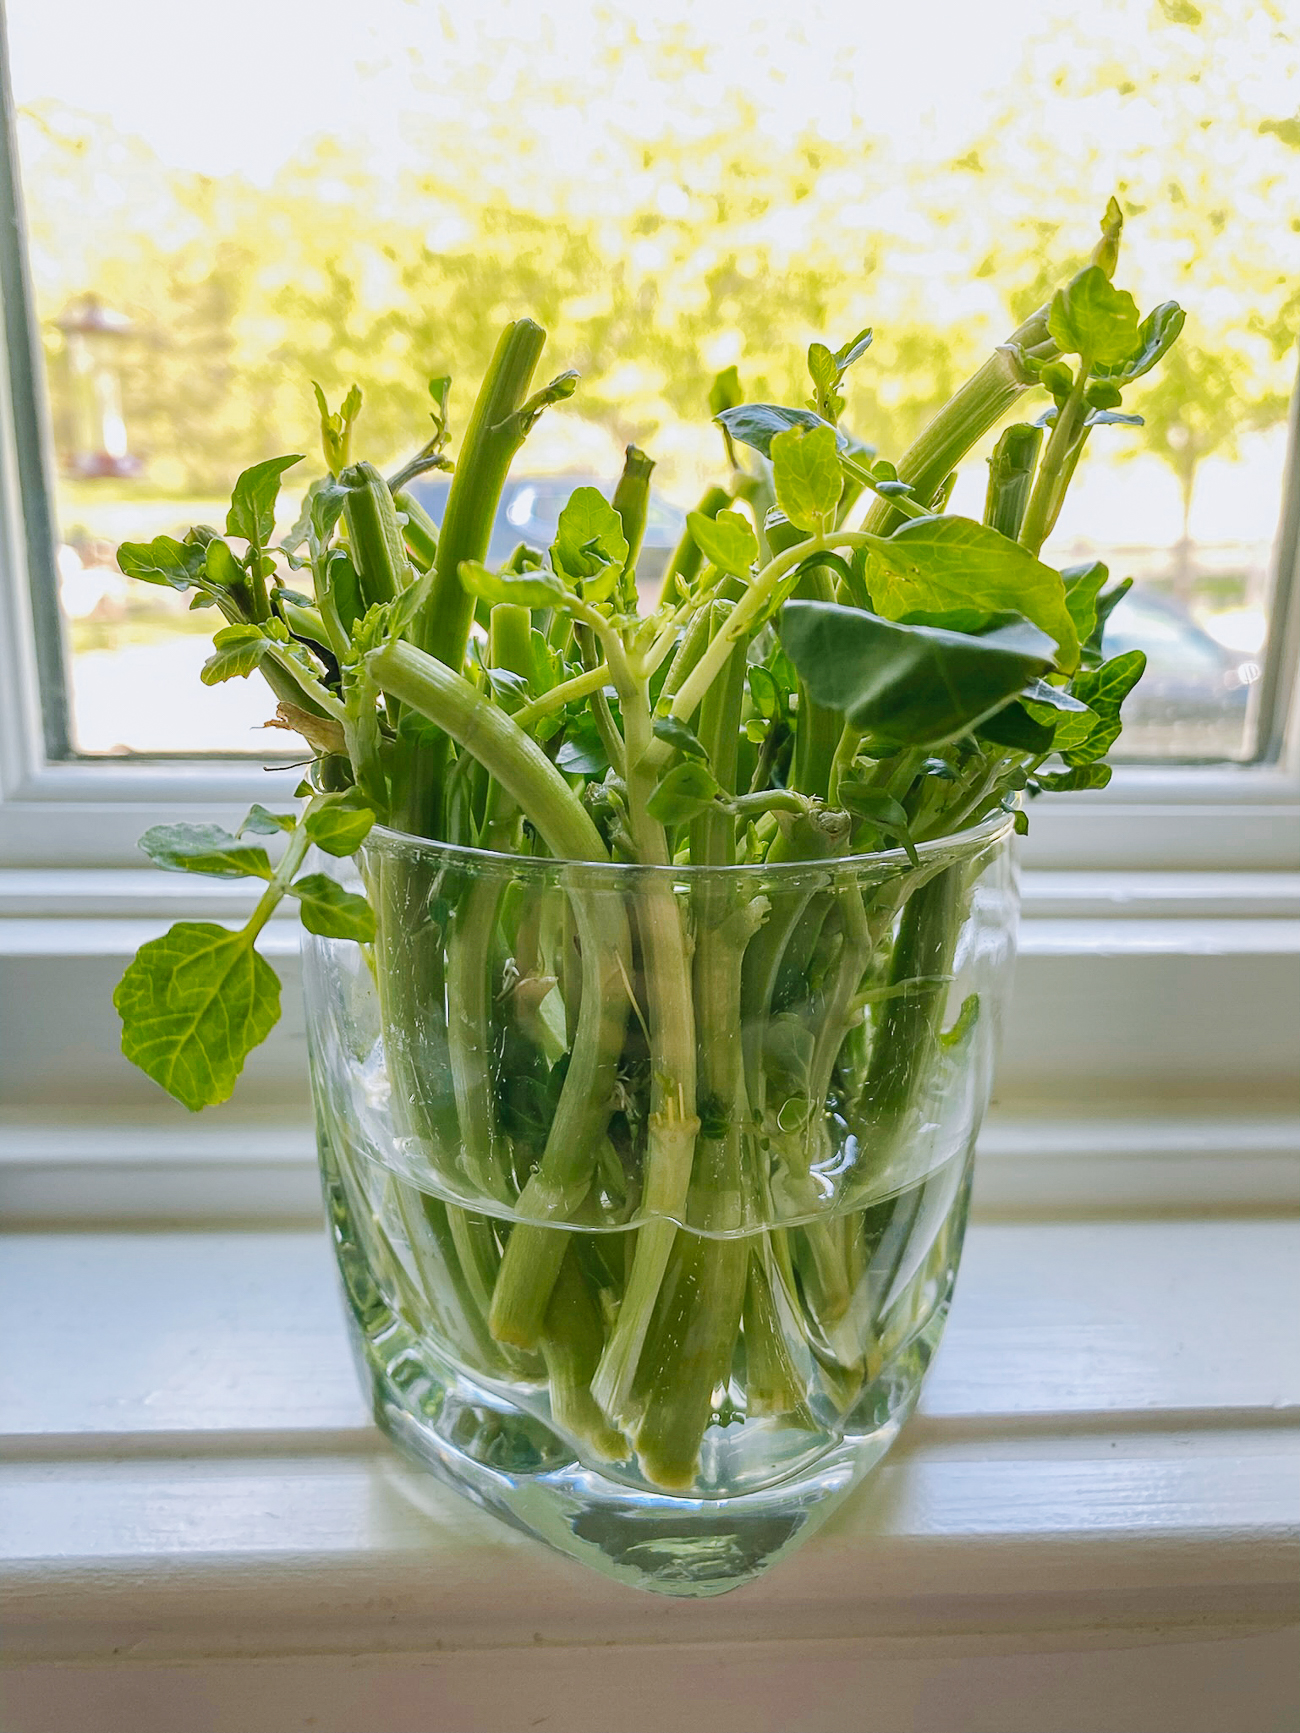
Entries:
{"x":960,"y":844}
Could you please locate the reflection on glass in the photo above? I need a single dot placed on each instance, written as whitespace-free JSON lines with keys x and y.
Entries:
{"x":670,"y":189}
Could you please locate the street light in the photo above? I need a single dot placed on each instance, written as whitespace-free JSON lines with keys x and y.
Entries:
{"x":92,"y":334}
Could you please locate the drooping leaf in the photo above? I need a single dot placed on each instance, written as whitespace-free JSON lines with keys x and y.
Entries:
{"x":193,"y":1005}
{"x":758,"y":424}
{"x":936,"y":564}
{"x":326,"y":908}
{"x":907,"y":685}
{"x":525,"y":589}
{"x":806,"y":471}
{"x":164,"y":560}
{"x":1089,"y":317}
{"x":236,"y":652}
{"x":589,"y":535}
{"x":687,"y":790}
{"x":726,"y":541}
{"x":677,"y":734}
{"x":264,"y":823}
{"x":1157,"y":334}
{"x":204,"y":848}
{"x":340,"y":825}
{"x":1088,"y":737}
{"x":252,"y":505}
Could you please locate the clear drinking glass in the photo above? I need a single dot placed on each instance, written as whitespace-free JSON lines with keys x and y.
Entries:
{"x":648,"y":1185}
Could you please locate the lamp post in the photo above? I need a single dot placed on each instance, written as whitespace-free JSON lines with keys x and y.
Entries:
{"x":92,"y":333}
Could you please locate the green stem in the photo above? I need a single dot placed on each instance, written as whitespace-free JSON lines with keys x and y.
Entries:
{"x":491,"y":440}
{"x":1057,"y":466}
{"x":967,"y":416}
{"x":572,"y":1341}
{"x":673,"y":1124}
{"x":499,"y":744}
{"x":495,"y":432}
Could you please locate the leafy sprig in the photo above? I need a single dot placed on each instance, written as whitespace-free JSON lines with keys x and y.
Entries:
{"x":899,"y":679}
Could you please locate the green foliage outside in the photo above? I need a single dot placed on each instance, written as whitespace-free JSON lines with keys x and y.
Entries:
{"x":241,"y":294}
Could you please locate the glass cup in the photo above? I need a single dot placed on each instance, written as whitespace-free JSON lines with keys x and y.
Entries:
{"x":648,"y":1185}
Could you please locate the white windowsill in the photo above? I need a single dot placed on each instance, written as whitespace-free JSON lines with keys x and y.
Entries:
{"x":1100,"y":1495}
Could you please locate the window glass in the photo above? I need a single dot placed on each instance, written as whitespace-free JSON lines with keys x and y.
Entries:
{"x":225,"y":203}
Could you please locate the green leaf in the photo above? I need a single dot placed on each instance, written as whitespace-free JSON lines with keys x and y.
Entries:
{"x":1020,"y":821}
{"x":1157,"y":334}
{"x":1103,"y":394}
{"x":853,"y":351}
{"x":340,"y":825}
{"x":880,"y":809}
{"x":1057,"y":697}
{"x":193,"y":1005}
{"x":164,"y":560}
{"x":686,"y":791}
{"x":525,"y":589}
{"x":582,"y":752}
{"x":806,"y":470}
{"x":326,"y":908}
{"x":907,"y":685}
{"x":725,"y":392}
{"x":264,"y":823}
{"x":678,"y":735}
{"x":1086,"y":738}
{"x":937,"y":564}
{"x":324,"y":505}
{"x":204,"y":848}
{"x":1092,"y":654}
{"x":1092,"y":319}
{"x":1014,"y":727}
{"x":252,"y":505}
{"x":1082,"y":587}
{"x":1083,"y":776}
{"x":237,"y":651}
{"x":821,"y":367}
{"x":589,"y":535}
{"x":726,"y":541}
{"x":764,"y":690}
{"x":758,"y":424}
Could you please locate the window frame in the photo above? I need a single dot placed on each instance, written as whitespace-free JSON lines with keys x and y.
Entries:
{"x":60,"y":810}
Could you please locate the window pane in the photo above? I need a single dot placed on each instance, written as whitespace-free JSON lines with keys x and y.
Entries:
{"x":227,"y":203}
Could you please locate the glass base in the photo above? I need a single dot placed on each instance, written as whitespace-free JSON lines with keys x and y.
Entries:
{"x":510,"y":1463}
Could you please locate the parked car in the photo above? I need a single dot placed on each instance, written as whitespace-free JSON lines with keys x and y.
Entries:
{"x":530,"y":512}
{"x":1191,"y":680}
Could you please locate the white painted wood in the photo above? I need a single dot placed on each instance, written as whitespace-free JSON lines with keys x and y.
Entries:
{"x":144,"y":893}
{"x":1162,"y":1682}
{"x":172,"y":1332}
{"x":1100,"y":1495}
{"x":1125,"y":1007}
{"x":1069,"y":1158}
